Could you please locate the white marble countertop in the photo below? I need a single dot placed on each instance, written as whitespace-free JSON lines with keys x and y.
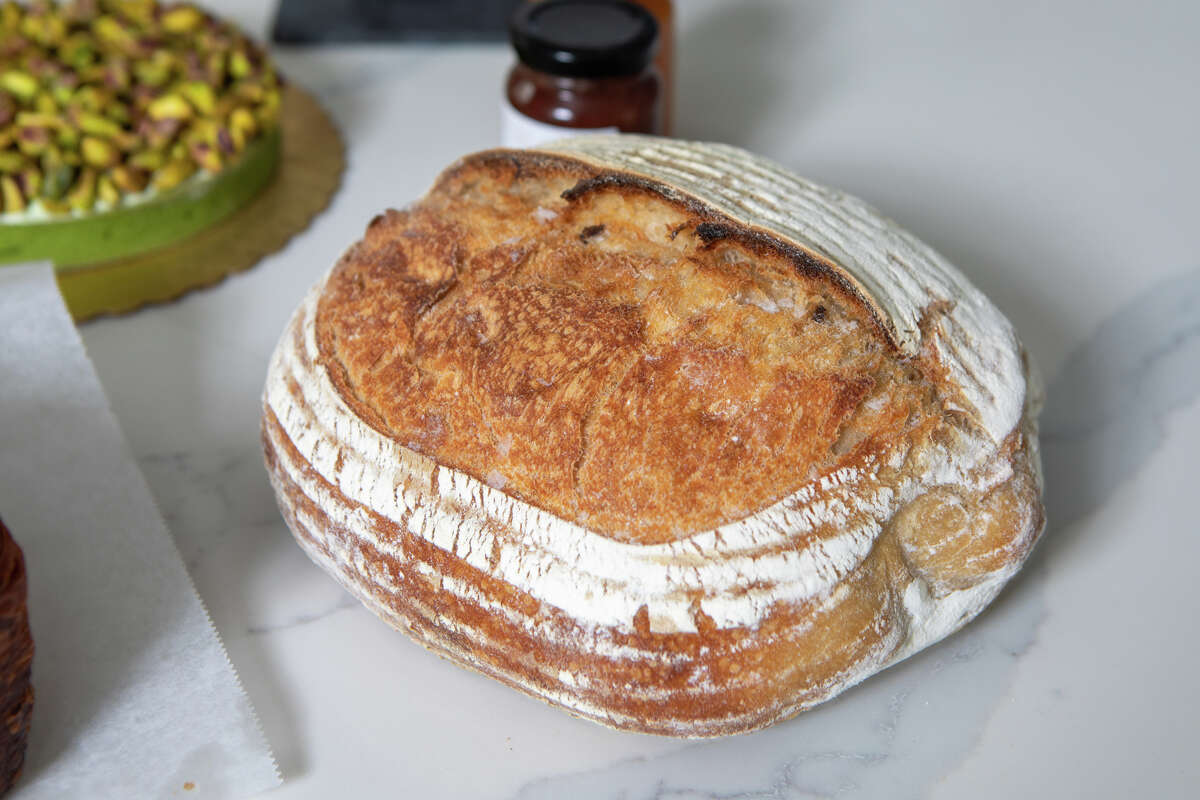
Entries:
{"x":1048,"y":149}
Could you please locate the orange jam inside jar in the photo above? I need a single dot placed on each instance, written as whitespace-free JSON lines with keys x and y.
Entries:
{"x":584,"y":66}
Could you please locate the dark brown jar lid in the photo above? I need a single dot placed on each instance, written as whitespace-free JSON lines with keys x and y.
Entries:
{"x":584,"y":38}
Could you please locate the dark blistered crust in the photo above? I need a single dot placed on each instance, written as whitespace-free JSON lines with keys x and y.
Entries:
{"x":711,"y":225}
{"x":16,"y":660}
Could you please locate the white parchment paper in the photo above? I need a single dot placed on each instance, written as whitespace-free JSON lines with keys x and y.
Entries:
{"x":134,"y":696}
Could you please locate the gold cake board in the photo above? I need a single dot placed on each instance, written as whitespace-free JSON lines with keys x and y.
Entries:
{"x":310,"y":169}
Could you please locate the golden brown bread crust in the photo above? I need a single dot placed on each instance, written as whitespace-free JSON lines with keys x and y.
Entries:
{"x":16,"y":660}
{"x":649,"y":372}
{"x":609,"y":364}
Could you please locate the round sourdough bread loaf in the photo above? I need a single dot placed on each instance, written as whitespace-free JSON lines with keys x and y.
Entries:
{"x":655,"y":431}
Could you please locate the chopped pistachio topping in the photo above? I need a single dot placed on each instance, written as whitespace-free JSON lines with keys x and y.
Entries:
{"x":100,"y":99}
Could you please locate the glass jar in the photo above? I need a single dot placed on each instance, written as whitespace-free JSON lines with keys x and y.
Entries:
{"x":664,"y":14}
{"x":584,"y":66}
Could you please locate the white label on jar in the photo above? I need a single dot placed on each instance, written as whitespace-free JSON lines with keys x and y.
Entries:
{"x":518,"y":130}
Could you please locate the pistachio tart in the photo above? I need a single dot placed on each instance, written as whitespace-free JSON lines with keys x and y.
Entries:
{"x":126,"y":125}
